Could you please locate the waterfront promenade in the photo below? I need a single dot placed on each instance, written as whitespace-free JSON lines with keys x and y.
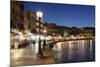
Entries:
{"x":26,"y":56}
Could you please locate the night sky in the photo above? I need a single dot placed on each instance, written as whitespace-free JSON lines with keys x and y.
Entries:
{"x":64,"y":14}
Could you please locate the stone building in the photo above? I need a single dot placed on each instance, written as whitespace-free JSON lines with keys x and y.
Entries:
{"x":32,"y":23}
{"x":17,"y":15}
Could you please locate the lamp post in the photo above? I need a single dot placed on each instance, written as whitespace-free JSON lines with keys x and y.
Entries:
{"x":44,"y":41}
{"x":39,"y":15}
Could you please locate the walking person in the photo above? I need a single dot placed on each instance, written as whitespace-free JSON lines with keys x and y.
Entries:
{"x":44,"y":44}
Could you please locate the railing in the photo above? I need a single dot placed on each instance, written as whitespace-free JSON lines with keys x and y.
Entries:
{"x":54,"y":40}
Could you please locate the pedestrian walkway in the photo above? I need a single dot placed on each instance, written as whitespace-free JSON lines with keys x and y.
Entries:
{"x":26,"y":56}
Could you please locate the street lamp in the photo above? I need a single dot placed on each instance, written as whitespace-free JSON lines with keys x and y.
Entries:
{"x":39,"y":15}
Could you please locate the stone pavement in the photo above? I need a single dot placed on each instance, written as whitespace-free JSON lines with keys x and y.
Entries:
{"x":26,"y":56}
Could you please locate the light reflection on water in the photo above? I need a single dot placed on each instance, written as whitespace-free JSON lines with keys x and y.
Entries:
{"x":74,"y":51}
